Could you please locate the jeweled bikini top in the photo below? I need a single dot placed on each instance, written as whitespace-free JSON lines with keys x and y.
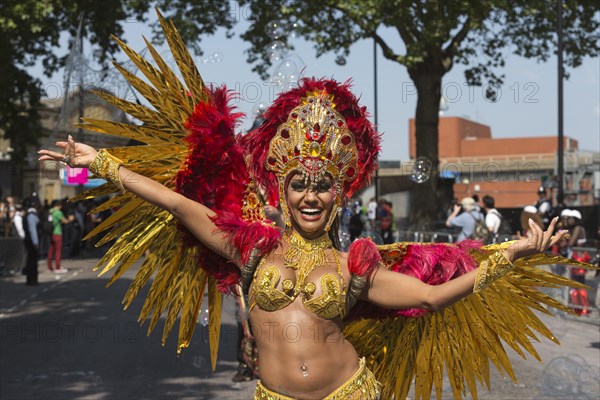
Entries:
{"x":303,"y":256}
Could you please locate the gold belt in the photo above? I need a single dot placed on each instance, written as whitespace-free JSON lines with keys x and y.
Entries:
{"x":361,"y":386}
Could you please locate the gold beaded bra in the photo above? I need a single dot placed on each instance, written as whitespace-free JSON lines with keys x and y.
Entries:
{"x":303,"y":256}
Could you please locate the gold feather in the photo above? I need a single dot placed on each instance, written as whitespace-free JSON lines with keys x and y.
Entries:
{"x":464,"y":338}
{"x":142,"y":231}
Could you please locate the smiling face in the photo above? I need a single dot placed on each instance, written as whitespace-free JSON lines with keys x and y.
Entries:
{"x":309,"y":205}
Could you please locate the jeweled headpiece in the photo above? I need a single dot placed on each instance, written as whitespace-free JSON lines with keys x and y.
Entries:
{"x":317,"y":130}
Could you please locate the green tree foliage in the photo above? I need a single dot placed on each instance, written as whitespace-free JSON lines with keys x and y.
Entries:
{"x":30,"y":31}
{"x":435,"y":36}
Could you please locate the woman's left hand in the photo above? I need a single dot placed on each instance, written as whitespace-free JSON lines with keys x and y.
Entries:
{"x":539,"y":241}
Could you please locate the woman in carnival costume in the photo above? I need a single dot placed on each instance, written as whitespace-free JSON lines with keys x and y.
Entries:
{"x":328,"y":325}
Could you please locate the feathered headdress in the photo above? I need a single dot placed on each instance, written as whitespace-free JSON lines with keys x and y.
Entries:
{"x":315,"y":129}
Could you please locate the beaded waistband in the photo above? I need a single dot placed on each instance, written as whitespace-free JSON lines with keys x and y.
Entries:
{"x":362,"y":385}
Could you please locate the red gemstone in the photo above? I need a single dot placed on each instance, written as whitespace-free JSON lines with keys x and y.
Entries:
{"x":304,"y":110}
{"x":272,"y":161}
{"x":284,"y":159}
{"x":294,"y":115}
{"x":317,"y":127}
{"x":340,"y":123}
{"x":346,"y":140}
{"x":329,"y":155}
{"x":296,"y":151}
{"x":340,"y":165}
{"x":285,"y":133}
{"x":350,"y":172}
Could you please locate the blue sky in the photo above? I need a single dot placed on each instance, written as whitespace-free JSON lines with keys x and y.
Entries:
{"x":527,"y":105}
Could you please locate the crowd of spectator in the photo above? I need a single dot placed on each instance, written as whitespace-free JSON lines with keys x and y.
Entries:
{"x":48,"y":230}
{"x":375,"y":220}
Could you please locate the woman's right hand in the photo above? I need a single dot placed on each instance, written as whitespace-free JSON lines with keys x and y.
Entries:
{"x":75,"y":154}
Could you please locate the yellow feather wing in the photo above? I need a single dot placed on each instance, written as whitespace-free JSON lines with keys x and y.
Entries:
{"x":464,"y":338}
{"x":140,"y":230}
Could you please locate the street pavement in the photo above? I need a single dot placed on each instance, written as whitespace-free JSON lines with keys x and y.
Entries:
{"x":69,"y":338}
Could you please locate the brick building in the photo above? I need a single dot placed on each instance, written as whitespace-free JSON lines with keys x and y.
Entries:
{"x":512,"y":169}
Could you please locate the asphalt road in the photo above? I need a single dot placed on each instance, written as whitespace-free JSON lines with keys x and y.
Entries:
{"x":69,"y":339}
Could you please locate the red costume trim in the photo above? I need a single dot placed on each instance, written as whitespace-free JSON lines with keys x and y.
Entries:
{"x":215,"y":175}
{"x":433,"y":264}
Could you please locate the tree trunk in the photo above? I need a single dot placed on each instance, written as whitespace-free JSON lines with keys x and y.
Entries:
{"x":424,"y":201}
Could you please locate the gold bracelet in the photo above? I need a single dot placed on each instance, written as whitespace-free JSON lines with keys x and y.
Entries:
{"x":106,"y":166}
{"x":493,"y":268}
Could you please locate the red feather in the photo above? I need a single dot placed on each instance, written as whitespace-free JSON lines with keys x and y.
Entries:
{"x":433,"y":264}
{"x":215,"y":175}
{"x":363,"y":257}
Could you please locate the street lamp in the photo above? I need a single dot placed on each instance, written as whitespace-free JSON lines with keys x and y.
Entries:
{"x":560,"y":195}
{"x":375,"y":113}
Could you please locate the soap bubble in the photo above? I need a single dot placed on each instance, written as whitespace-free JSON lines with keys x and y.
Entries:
{"x":570,"y":377}
{"x":276,"y":51}
{"x":276,"y":29}
{"x":421,"y":171}
{"x":286,"y":72}
{"x":259,"y":109}
{"x":216,"y":57}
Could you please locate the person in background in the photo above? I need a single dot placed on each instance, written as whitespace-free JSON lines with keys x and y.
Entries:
{"x":57,"y":218}
{"x":356,"y":222}
{"x":543,"y":207}
{"x":450,"y":207}
{"x":529,"y":212}
{"x":465,"y":221}
{"x":493,"y":217}
{"x":577,"y":231}
{"x":18,"y":221}
{"x":477,"y":205}
{"x":572,"y":221}
{"x":386,"y":222}
{"x":32,"y":244}
{"x":372,"y":213}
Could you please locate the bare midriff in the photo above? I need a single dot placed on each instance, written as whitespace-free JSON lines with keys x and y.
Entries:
{"x":301,"y":355}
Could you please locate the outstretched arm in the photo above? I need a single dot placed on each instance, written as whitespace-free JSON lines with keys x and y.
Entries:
{"x":193,"y":215}
{"x":394,"y":290}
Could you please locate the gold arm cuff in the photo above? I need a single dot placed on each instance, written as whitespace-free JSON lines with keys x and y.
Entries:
{"x":491,"y":269}
{"x":106,"y":166}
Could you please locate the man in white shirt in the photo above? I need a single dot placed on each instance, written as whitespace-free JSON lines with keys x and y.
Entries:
{"x":492,"y":216}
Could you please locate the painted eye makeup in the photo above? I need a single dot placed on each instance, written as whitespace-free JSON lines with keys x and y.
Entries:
{"x":320,"y":187}
{"x":323,"y":187}
{"x":298,"y":186}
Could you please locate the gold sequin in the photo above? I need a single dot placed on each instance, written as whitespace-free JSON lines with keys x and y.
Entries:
{"x":303,"y":256}
{"x":361,"y":386}
{"x":106,"y":166}
{"x":494,"y":267}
